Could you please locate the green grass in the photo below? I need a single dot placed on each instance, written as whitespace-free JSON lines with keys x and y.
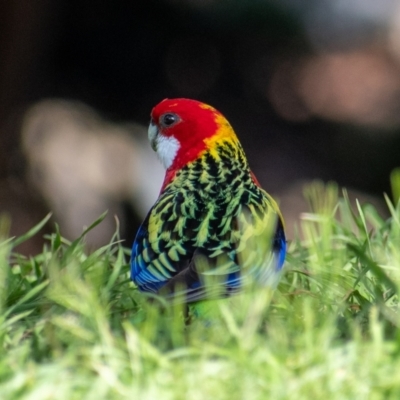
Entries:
{"x":73,"y":326}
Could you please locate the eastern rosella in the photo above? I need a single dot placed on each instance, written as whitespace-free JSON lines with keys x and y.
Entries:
{"x":212,"y":218}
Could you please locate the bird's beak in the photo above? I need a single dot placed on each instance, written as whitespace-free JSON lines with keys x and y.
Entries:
{"x":153,"y":135}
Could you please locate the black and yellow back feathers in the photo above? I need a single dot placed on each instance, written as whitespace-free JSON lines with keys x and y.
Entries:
{"x":211,"y":230}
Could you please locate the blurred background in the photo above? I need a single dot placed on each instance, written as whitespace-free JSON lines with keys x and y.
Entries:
{"x":312,"y":88}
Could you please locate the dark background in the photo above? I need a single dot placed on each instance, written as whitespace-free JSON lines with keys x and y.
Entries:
{"x":312,"y":89}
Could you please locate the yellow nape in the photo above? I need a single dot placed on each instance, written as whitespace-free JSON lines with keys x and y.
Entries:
{"x":224,"y":132}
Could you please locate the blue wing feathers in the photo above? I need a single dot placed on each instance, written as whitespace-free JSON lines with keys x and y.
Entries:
{"x":279,"y":246}
{"x":146,"y":281}
{"x":153,"y":282}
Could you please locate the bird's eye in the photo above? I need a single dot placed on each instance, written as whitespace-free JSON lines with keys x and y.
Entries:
{"x":169,"y":119}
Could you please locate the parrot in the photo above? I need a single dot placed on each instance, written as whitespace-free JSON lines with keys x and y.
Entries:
{"x":213,"y":230}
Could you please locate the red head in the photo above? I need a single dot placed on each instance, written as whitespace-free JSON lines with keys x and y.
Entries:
{"x":181,"y":130}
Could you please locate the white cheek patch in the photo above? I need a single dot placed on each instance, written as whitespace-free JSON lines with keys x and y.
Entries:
{"x":167,"y":149}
